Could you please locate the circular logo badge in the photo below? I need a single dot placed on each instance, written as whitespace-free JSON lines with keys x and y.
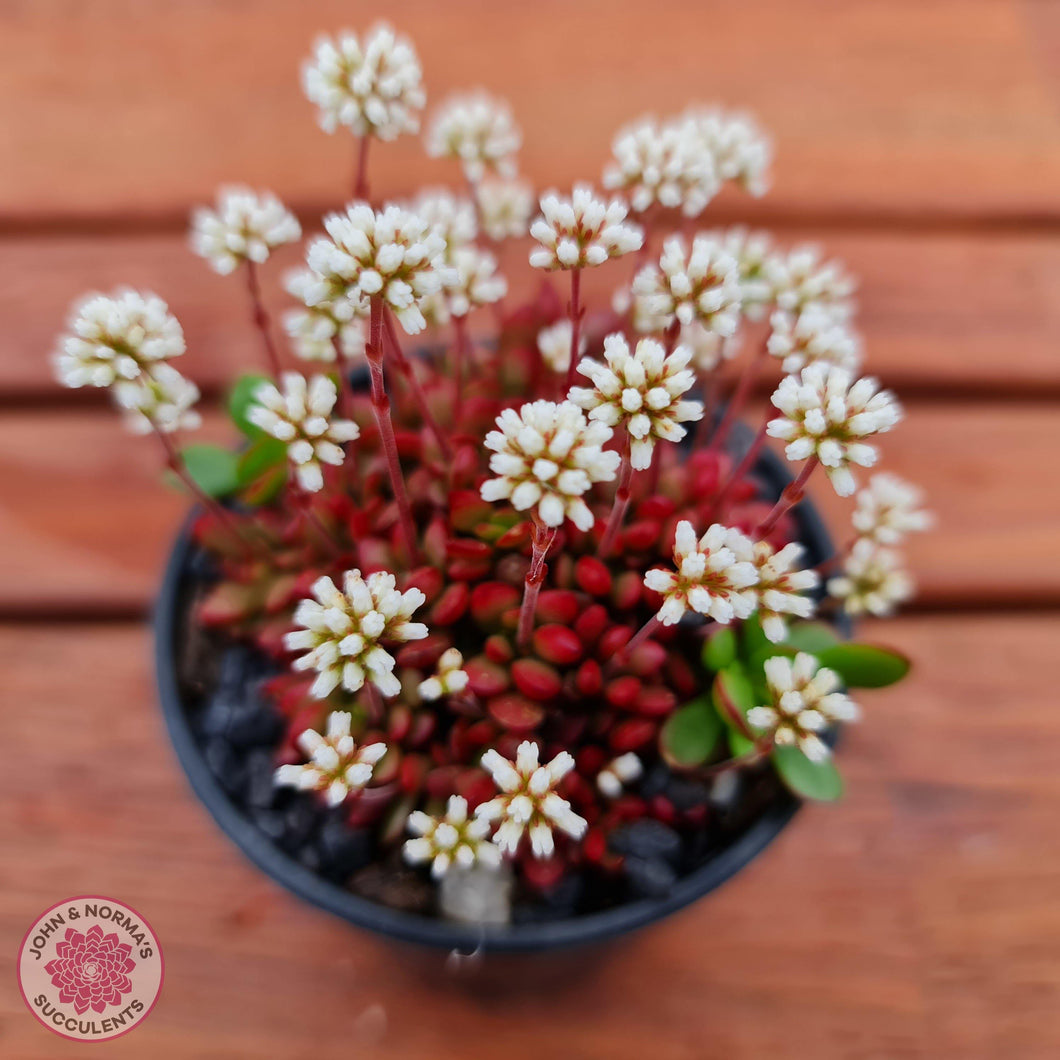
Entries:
{"x":90,"y":968}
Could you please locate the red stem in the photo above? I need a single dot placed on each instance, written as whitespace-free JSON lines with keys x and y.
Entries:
{"x":788,"y":499}
{"x":360,"y":184}
{"x":739,"y":397}
{"x":409,"y":374}
{"x":261,"y":317}
{"x":381,"y":412}
{"x":618,"y":510}
{"x":641,"y":635}
{"x":741,"y":470}
{"x":541,"y":541}
{"x":575,"y":326}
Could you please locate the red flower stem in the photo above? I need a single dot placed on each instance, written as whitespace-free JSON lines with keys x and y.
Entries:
{"x":575,"y":326}
{"x":756,"y":754}
{"x":541,"y":539}
{"x":739,"y":397}
{"x":261,"y":317}
{"x":176,"y":464}
{"x":345,"y":386}
{"x":642,"y":634}
{"x":459,"y":363}
{"x":618,"y":510}
{"x":409,"y":374}
{"x":375,"y":701}
{"x":333,"y":543}
{"x":742,"y":469}
{"x":791,"y":496}
{"x":671,"y":334}
{"x":360,"y":183}
{"x":381,"y":412}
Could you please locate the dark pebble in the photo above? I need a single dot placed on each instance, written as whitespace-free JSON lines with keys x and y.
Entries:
{"x":300,"y":821}
{"x":342,"y":849}
{"x":261,"y":791}
{"x":235,"y":668}
{"x":646,"y":839}
{"x":557,"y":903}
{"x":202,"y":566}
{"x":226,"y":765}
{"x":398,"y":888}
{"x":270,"y":822}
{"x":685,"y":794}
{"x":655,"y":781}
{"x":648,"y":877}
{"x":255,"y":726}
{"x":309,"y":856}
{"x":217,"y":715}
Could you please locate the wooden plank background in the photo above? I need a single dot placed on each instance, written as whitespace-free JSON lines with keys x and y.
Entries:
{"x":918,"y":140}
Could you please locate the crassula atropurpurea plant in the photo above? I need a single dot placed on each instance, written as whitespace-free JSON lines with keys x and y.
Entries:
{"x":505,"y":571}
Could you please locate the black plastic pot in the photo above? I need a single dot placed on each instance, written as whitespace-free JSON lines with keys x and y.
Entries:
{"x":432,"y":931}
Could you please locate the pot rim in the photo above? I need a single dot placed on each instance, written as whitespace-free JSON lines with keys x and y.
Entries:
{"x":429,"y":930}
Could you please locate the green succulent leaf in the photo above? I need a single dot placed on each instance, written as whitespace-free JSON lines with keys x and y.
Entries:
{"x":753,"y":641}
{"x":720,"y":649}
{"x":810,"y":780}
{"x":812,"y":637}
{"x":865,"y":665}
{"x":733,"y":694}
{"x":213,"y":469}
{"x":690,"y":734}
{"x":739,"y":745}
{"x":240,"y":400}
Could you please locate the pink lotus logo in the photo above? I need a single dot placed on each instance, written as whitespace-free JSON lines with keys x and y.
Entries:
{"x":92,"y":970}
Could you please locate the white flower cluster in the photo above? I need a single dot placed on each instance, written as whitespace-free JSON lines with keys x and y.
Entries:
{"x":815,"y":334}
{"x":478,"y":131}
{"x":751,"y":251}
{"x":393,"y":253}
{"x":312,"y":329}
{"x":715,"y":576}
{"x":873,"y":581}
{"x":372,"y":86}
{"x":472,"y":281}
{"x":668,"y":163}
{"x":701,"y":286}
{"x":806,"y":701}
{"x":781,"y":587}
{"x":708,"y":348}
{"x":741,"y":151}
{"x":546,"y":457}
{"x":300,"y":417}
{"x":554,"y":341}
{"x":828,"y":415}
{"x":125,"y":341}
{"x":581,"y":231}
{"x":504,"y":207}
{"x":452,"y":839}
{"x":888,"y":509}
{"x":246,"y":226}
{"x":344,"y":631}
{"x":528,"y":802}
{"x":800,"y":278}
{"x":337,"y":766}
{"x":452,"y":217}
{"x":449,"y":679}
{"x":641,"y":391}
{"x":618,"y":773}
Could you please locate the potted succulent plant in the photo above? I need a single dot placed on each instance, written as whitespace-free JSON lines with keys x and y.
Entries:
{"x":517,"y":637}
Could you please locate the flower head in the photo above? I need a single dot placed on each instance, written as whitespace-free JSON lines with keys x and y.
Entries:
{"x":452,"y":217}
{"x":781,"y":587}
{"x":473,"y":281}
{"x":159,"y":400}
{"x":372,"y":86}
{"x":888,"y":509}
{"x":449,"y":678}
{"x":312,"y":329}
{"x":702,"y":285}
{"x":751,"y":250}
{"x":336,"y":766}
{"x":640,"y":390}
{"x":450,"y":839}
{"x":553,"y":343}
{"x":478,"y":131}
{"x":528,"y":802}
{"x":669,"y":164}
{"x":708,"y":348}
{"x":715,"y":576}
{"x":300,"y":416}
{"x":392,"y":253}
{"x":116,"y":337}
{"x":581,"y":231}
{"x":741,"y":151}
{"x":805,"y":701}
{"x":504,"y":207}
{"x":815,"y":334}
{"x":617,"y":773}
{"x":872,"y":581}
{"x":800,"y":278}
{"x":345,"y":630}
{"x":828,"y":415}
{"x":546,"y":456}
{"x":246,"y":226}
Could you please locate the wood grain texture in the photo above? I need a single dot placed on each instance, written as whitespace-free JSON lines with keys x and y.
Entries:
{"x":916,"y":918}
{"x":921,"y":330}
{"x":888,"y":108}
{"x":99,"y":535}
